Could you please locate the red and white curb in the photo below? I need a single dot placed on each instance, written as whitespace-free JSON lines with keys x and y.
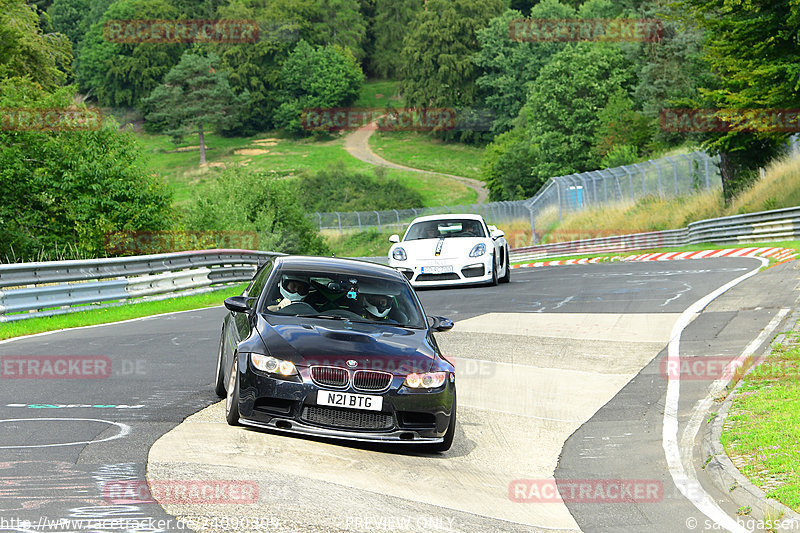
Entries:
{"x":779,"y":254}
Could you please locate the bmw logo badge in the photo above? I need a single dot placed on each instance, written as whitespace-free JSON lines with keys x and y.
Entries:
{"x":352,"y":363}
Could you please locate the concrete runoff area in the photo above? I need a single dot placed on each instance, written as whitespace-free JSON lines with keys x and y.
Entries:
{"x":521,"y":394}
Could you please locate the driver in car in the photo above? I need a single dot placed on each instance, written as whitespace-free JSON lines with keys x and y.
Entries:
{"x":293,"y":289}
{"x":376,"y":306}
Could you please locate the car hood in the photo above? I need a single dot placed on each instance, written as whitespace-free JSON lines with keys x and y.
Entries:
{"x":452,"y":247}
{"x":308,"y":342}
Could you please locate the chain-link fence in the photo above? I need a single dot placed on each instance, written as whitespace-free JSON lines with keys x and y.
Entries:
{"x":668,"y":176}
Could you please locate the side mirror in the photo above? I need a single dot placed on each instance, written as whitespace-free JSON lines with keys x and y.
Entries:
{"x":238,"y":304}
{"x":394,"y":238}
{"x":440,"y":323}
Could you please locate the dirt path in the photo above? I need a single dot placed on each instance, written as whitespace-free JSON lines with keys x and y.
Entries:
{"x":357,"y":144}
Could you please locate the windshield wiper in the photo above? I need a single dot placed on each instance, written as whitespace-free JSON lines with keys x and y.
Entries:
{"x":330,"y":317}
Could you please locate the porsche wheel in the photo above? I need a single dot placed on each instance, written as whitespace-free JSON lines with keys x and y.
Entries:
{"x":232,"y":398}
{"x":494,"y":272}
{"x":507,"y":276}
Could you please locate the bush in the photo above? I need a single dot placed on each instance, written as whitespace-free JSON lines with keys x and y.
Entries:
{"x":71,"y":188}
{"x":341,"y":189}
{"x":260,"y":202}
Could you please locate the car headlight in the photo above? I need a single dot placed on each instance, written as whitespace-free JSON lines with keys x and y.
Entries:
{"x":478,"y":250}
{"x":272,"y":365}
{"x":430,"y":380}
{"x":399,"y":254}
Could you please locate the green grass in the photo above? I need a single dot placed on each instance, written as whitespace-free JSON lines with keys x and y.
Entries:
{"x":115,"y":314}
{"x":763,"y":424}
{"x":182,"y":172}
{"x":418,"y":150}
{"x":378,"y":93}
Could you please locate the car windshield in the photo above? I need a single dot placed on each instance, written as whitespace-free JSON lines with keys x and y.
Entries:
{"x":342,"y":297}
{"x":445,"y":228}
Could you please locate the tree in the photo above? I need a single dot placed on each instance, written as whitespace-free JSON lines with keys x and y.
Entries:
{"x":752,"y":48}
{"x":563,"y":106}
{"x":316,"y":77}
{"x":339,"y":23}
{"x":26,"y":51}
{"x":71,"y":187}
{"x":74,"y":18}
{"x":438,"y":70}
{"x":195,"y":94}
{"x":270,"y":208}
{"x":509,"y":66}
{"x":393,"y":19}
{"x":620,"y":125}
{"x":121,"y":74}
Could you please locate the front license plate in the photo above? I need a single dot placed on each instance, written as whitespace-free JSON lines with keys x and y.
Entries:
{"x":437,"y":269}
{"x":351,"y":401}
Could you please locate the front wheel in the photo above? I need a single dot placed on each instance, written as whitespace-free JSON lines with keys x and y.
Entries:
{"x":219,"y":381}
{"x":447,"y":442}
{"x":494,"y":272}
{"x":232,"y":398}
{"x":507,"y":276}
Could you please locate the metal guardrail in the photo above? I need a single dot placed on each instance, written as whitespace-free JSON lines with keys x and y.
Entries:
{"x":50,"y":288}
{"x":764,"y":226}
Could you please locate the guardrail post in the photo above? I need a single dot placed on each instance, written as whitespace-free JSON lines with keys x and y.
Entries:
{"x":379,"y":220}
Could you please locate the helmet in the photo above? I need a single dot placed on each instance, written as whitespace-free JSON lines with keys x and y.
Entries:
{"x":293,"y":288}
{"x":377,"y":305}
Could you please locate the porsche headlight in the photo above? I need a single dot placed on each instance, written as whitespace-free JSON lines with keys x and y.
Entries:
{"x":398,"y":254}
{"x":272,"y":365}
{"x":478,"y":250}
{"x":429,"y":380}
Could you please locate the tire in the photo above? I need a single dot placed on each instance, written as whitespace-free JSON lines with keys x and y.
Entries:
{"x":447,"y":443}
{"x":219,"y":381}
{"x":493,"y":283}
{"x":507,"y":276}
{"x":232,"y":398}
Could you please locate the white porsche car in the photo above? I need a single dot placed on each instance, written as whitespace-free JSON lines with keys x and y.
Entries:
{"x":440,"y":250}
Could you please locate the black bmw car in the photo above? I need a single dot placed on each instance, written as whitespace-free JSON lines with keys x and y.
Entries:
{"x":336,"y":348}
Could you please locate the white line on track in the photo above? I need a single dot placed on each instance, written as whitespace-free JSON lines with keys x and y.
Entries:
{"x":685,"y":479}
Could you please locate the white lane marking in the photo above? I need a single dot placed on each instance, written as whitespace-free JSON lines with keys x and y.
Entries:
{"x":688,"y":484}
{"x":701,"y":407}
{"x":124,"y":430}
{"x":12,"y":339}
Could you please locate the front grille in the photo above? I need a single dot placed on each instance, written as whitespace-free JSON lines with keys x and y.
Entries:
{"x":330,"y":376}
{"x":346,"y":418}
{"x":473,"y":272}
{"x":370,"y":380}
{"x":437,"y":277}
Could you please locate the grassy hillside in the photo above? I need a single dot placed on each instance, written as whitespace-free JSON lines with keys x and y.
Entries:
{"x":180,"y":165}
{"x":780,"y":187}
{"x":418,"y":150}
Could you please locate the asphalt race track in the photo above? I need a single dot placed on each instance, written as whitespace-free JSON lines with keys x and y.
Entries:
{"x":561,"y":378}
